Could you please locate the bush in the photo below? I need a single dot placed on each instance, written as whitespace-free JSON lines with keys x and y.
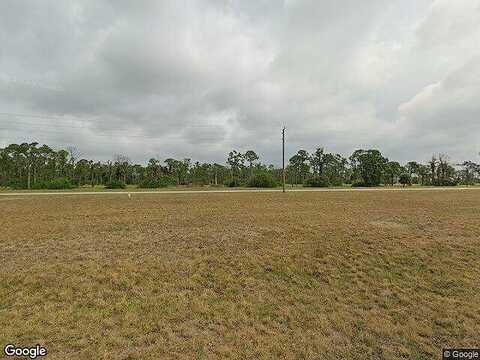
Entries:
{"x":54,"y":184}
{"x":16,"y":184}
{"x":405,"y":179}
{"x":336,"y":181}
{"x":262,"y":180}
{"x":233,"y":183}
{"x":445,"y":182}
{"x":115,"y":184}
{"x":162,"y":181}
{"x":316,"y":181}
{"x":360,"y":183}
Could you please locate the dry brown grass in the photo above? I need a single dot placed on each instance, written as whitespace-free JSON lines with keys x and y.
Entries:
{"x":377,"y":275}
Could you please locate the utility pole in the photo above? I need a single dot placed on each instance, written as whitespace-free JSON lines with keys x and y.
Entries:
{"x":283,"y":159}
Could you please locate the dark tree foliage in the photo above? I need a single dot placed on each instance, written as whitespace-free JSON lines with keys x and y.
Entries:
{"x":368,"y":167}
{"x":157,"y":182}
{"x":405,"y":179}
{"x":115,"y":184}
{"x":262,"y":180}
{"x":316,"y":181}
{"x":34,"y":166}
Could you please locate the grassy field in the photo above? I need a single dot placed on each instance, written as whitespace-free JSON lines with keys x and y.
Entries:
{"x":354,"y":275}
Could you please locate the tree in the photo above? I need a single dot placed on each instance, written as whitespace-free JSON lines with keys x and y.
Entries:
{"x":368,"y":167}
{"x":219,"y":173}
{"x":405,"y":179}
{"x":122,"y":164}
{"x":445,"y":173}
{"x":416,"y":172}
{"x":250,"y":156}
{"x":235,"y":160}
{"x":433,"y":167}
{"x":153,"y":168}
{"x":179,"y":169}
{"x":31,"y":152}
{"x":294,"y":168}
{"x":61,"y":161}
{"x":392,"y":170}
{"x":82,"y":171}
{"x":469,"y":173}
{"x":200,"y":173}
{"x":299,"y":165}
{"x":317,"y":160}
{"x":334,"y":169}
{"x":74,"y":155}
{"x":29,"y":165}
{"x":420,"y":171}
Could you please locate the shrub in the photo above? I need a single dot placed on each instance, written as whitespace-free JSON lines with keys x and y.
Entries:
{"x":54,"y":184}
{"x":445,"y":182}
{"x":233,"y":183}
{"x":115,"y":184}
{"x":262,"y":180}
{"x":336,"y":181}
{"x":360,"y":183}
{"x":405,"y":179}
{"x":316,"y":181}
{"x":154,"y":183}
{"x":16,"y":184}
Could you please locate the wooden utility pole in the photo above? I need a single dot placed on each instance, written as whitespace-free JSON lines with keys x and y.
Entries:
{"x":283,"y":159}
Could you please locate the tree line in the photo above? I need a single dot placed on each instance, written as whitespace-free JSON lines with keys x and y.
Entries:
{"x":31,"y":166}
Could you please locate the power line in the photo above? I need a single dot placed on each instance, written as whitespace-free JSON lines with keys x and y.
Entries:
{"x":80,"y":120}
{"x":31,"y":115}
{"x":94,"y":134}
{"x":53,"y":128}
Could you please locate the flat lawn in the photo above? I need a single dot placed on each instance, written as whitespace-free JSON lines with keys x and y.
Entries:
{"x":354,"y":275}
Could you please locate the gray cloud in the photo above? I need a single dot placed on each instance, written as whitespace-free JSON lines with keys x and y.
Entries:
{"x":198,"y":78}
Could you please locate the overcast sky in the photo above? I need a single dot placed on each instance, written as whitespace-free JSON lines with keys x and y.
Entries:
{"x":199,"y":78}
